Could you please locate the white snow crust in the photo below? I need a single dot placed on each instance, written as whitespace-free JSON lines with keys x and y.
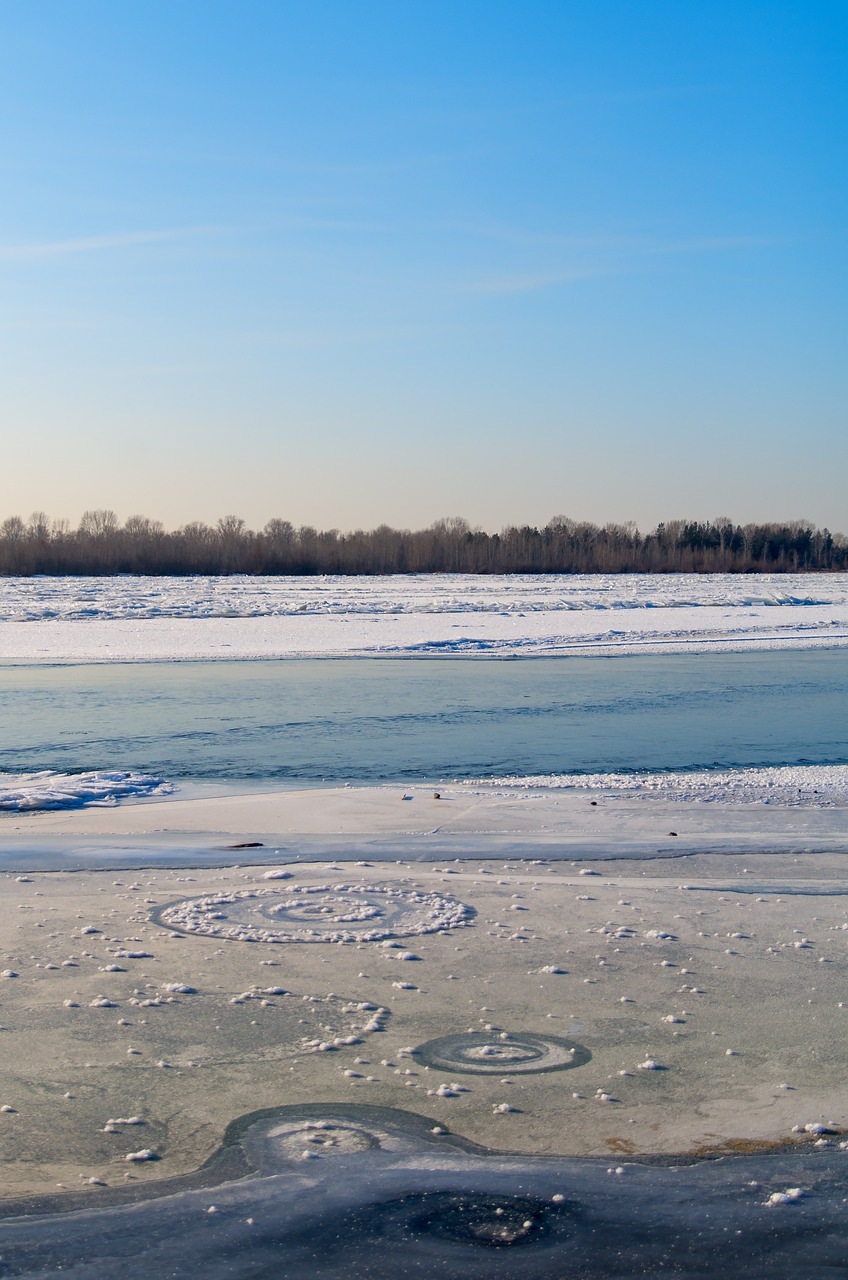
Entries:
{"x":130,"y":619}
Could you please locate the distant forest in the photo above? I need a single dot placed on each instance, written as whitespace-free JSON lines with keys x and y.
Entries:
{"x":102,"y":545}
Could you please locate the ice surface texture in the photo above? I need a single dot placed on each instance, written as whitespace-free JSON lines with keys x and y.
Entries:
{"x":383,"y":1194}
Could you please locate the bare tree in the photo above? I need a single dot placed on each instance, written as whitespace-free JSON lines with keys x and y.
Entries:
{"x":98,"y":524}
{"x":101,"y":546}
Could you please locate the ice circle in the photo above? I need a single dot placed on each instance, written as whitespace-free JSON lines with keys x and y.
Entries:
{"x":319,"y":1138}
{"x":494,"y":1053}
{"x":315,"y":913}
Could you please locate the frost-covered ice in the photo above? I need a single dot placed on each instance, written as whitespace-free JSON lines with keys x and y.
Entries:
{"x":25,"y":792}
{"x":793,"y":785}
{"x":148,"y":619}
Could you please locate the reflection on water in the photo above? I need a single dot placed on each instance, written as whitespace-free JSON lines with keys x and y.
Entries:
{"x":326,"y":1192}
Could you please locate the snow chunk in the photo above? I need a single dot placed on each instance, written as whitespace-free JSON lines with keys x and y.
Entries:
{"x":789,"y":1196}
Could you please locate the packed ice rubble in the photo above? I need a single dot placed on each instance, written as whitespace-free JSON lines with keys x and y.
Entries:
{"x":25,"y":792}
{"x":817,"y":786}
{"x":89,"y":599}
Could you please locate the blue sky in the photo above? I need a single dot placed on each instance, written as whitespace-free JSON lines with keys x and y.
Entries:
{"x":352,"y":263}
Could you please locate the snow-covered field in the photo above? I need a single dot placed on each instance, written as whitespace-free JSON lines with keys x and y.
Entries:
{"x":129,"y":619}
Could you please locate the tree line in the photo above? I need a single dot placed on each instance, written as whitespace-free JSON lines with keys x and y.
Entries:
{"x":101,"y":544}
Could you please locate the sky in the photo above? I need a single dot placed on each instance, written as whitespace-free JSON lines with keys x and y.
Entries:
{"x":383,"y":262}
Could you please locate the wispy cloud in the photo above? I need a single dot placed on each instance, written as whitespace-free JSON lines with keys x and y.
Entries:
{"x":318,"y":337}
{"x":716,"y":244}
{"x":305,"y":222}
{"x":634,"y":242}
{"x":527,"y":282}
{"x":92,"y":244}
{"x":594,"y":257}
